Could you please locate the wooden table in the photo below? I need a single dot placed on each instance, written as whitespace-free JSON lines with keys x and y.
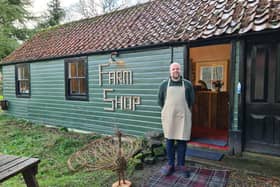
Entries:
{"x":12,"y":165}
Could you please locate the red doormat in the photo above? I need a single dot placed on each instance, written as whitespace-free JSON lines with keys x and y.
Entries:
{"x":200,"y":177}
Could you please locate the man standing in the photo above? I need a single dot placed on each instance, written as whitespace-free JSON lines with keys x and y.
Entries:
{"x":176,"y":97}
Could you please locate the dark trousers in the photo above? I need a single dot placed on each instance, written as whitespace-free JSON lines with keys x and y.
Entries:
{"x":181,"y":151}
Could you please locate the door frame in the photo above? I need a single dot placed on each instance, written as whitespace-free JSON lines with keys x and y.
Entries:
{"x":231,"y":70}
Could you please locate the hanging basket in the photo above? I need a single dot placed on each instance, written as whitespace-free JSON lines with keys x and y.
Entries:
{"x":4,"y":104}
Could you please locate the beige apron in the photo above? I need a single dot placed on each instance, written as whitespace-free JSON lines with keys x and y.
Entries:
{"x":176,"y":115}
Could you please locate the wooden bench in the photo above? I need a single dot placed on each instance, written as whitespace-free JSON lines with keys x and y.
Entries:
{"x":12,"y":165}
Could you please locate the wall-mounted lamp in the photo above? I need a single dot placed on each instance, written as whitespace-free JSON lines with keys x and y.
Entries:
{"x":113,"y":56}
{"x":113,"y":59}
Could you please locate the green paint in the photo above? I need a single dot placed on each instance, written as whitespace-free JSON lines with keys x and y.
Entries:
{"x":48,"y":105}
{"x":236,"y":80}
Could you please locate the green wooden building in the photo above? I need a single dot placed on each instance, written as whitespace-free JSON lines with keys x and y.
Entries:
{"x":100,"y":73}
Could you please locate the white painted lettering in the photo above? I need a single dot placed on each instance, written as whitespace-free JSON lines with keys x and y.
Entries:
{"x":118,"y":77}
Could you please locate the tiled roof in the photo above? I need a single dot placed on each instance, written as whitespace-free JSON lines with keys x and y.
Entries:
{"x":159,"y":21}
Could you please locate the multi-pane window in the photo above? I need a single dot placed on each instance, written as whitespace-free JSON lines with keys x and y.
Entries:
{"x":23,"y":80}
{"x":76,"y":80}
{"x":212,"y":71}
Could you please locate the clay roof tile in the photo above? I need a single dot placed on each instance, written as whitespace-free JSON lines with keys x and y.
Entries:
{"x":158,"y":21}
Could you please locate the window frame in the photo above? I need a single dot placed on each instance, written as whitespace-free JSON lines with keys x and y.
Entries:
{"x":213,"y":64}
{"x":68,"y":95}
{"x":17,"y":85}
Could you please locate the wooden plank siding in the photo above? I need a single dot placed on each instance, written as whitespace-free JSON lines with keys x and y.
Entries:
{"x":48,"y":105}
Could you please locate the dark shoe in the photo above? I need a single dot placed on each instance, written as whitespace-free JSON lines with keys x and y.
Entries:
{"x":187,"y":174}
{"x":167,"y":170}
{"x":182,"y":170}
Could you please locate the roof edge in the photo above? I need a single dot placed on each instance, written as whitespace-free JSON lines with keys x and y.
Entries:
{"x":191,"y":43}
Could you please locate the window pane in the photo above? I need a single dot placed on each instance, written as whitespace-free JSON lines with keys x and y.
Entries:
{"x":25,"y":72}
{"x":206,"y":76}
{"x":21,"y":86}
{"x":20,"y":73}
{"x":24,"y":86}
{"x":218,"y":73}
{"x":81,"y":69}
{"x":72,"y":70}
{"x":82,"y":86}
{"x":74,"y":88}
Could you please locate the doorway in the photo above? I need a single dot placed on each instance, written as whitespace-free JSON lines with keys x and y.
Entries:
{"x":210,"y":78}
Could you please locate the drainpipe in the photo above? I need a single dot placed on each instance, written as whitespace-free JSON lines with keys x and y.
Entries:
{"x":235,"y":120}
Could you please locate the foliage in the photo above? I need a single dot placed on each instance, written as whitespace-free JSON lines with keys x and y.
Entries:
{"x":13,"y":15}
{"x":218,"y":84}
{"x":109,"y":5}
{"x":90,"y":8}
{"x":53,"y":146}
{"x":54,"y":15}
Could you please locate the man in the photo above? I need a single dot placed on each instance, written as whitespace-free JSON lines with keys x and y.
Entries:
{"x":176,"y":97}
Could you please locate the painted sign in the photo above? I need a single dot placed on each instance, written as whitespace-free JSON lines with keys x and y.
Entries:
{"x":117,"y":77}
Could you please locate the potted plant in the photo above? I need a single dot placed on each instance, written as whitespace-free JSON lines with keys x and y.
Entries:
{"x":4,"y":104}
{"x":218,"y":84}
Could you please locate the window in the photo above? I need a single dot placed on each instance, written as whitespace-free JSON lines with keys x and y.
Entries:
{"x":212,"y":71}
{"x":76,"y":79}
{"x":23,"y":80}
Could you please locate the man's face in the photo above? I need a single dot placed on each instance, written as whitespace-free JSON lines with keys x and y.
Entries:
{"x":175,"y":71}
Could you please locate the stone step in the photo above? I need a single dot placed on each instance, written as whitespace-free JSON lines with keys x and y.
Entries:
{"x":202,"y":146}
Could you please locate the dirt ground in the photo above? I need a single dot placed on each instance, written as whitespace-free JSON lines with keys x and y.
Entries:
{"x":239,"y":176}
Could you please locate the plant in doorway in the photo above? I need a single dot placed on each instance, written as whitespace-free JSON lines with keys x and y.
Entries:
{"x":218,"y":84}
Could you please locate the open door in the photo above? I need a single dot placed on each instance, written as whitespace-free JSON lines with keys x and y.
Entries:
{"x":210,"y":77}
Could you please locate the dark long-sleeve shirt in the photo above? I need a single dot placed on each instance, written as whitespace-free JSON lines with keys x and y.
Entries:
{"x":189,"y":91}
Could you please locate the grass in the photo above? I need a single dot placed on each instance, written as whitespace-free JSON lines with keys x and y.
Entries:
{"x":53,"y":147}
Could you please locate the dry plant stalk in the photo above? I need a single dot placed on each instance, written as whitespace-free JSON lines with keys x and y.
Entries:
{"x":102,"y":154}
